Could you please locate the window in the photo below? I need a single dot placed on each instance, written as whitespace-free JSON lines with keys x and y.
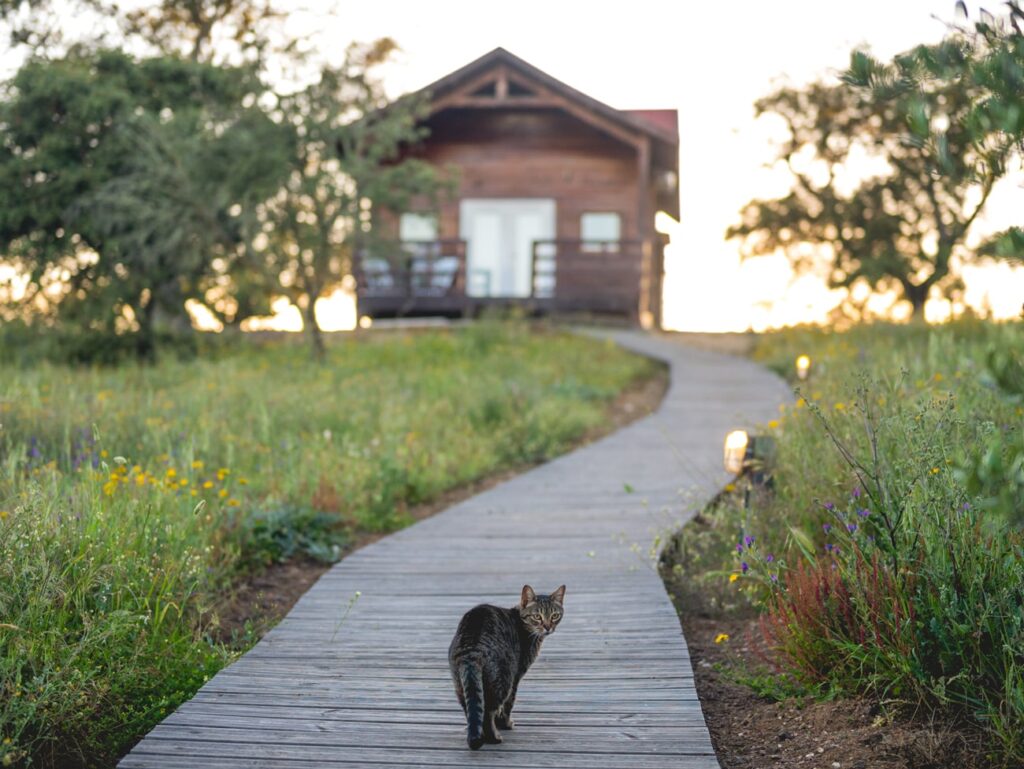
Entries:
{"x":600,"y":231}
{"x":413,"y":226}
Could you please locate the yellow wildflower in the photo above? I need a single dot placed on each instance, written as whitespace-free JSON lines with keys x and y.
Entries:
{"x":935,"y":471}
{"x":3,"y":514}
{"x":207,"y":484}
{"x":840,"y":406}
{"x":183,"y":482}
{"x":721,"y":637}
{"x":222,"y":493}
{"x":773,"y":424}
{"x":104,"y":454}
{"x":244,"y":481}
{"x":733,"y":577}
{"x":730,"y":487}
{"x":172,"y":473}
{"x":233,"y":503}
{"x":938,"y":377}
{"x":197,"y":464}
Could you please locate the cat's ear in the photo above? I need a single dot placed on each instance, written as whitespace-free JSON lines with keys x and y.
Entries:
{"x":528,"y":596}
{"x":558,"y":595}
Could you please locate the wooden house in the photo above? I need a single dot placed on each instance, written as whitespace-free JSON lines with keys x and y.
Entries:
{"x":555,"y":204}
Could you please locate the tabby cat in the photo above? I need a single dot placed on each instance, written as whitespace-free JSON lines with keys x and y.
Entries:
{"x":492,"y":650}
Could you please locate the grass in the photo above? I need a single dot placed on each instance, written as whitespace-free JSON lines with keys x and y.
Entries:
{"x":889,"y":560}
{"x":131,"y":497}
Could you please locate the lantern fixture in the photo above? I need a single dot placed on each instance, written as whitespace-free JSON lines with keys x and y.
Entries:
{"x":803,"y":367}
{"x":735,"y":457}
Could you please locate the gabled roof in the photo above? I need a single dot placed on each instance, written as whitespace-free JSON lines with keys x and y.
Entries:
{"x":660,"y":125}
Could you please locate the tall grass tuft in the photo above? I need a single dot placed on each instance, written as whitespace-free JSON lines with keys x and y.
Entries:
{"x":896,"y":563}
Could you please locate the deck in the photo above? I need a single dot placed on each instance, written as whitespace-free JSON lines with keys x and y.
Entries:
{"x":566,"y":277}
{"x":347,"y":681}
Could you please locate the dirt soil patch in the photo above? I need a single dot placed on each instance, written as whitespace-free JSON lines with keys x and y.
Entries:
{"x":754,"y":732}
{"x":259,"y":601}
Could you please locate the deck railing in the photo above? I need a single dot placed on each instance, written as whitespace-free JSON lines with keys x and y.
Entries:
{"x":588,"y":275}
{"x":412,"y":268}
{"x":430,"y":277}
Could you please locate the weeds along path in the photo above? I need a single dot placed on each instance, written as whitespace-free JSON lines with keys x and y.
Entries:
{"x":357,"y":673}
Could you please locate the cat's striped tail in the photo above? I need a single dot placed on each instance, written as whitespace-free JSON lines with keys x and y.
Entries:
{"x":473,"y":690}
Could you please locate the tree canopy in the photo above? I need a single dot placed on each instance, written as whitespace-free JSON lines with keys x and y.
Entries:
{"x":347,"y":165}
{"x":130,"y":186}
{"x":122,"y":184}
{"x":888,"y":173}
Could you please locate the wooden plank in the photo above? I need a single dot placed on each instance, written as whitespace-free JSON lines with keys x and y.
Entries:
{"x":365,"y":683}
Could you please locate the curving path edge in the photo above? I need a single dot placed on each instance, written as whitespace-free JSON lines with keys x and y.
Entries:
{"x":345,"y":681}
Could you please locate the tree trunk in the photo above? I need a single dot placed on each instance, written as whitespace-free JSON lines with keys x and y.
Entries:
{"x":145,"y":341}
{"x":316,"y":336}
{"x":917,"y":296}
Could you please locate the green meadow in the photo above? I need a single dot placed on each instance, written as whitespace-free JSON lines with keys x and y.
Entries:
{"x":131,"y":497}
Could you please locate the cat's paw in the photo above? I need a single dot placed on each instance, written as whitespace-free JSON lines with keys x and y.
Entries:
{"x":492,"y":739}
{"x":505,"y":723}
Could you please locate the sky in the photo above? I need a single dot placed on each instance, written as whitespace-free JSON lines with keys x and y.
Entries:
{"x":710,"y":61}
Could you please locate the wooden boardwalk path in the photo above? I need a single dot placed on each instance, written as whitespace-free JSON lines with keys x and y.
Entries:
{"x":345,"y":682}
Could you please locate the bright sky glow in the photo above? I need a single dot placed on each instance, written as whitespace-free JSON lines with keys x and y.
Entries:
{"x":710,"y":61}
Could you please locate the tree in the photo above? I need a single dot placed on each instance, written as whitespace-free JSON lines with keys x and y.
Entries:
{"x":123,"y":184}
{"x":40,"y":25}
{"x":994,"y":61}
{"x":903,"y":225}
{"x":347,"y":165}
{"x":190,"y":27}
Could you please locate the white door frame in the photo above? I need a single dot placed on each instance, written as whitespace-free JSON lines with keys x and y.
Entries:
{"x":499,"y":235}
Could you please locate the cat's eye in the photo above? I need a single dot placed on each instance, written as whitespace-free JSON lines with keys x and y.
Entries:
{"x":556,"y":616}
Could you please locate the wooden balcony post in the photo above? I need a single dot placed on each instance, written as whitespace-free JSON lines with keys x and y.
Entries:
{"x":644,"y":227}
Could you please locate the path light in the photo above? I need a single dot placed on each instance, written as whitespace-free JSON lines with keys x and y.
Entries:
{"x":803,"y":367}
{"x":736,"y":451}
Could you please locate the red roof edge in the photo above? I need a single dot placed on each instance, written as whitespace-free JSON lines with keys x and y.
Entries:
{"x":665,"y":119}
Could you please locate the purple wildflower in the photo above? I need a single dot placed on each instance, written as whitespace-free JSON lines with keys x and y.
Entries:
{"x":965,"y":506}
{"x":775,"y":577}
{"x":739,"y":548}
{"x":827,"y":527}
{"x":829,"y":547}
{"x":863,"y":512}
{"x":748,"y":541}
{"x":856,"y":492}
{"x":744,"y":567}
{"x":769,"y":558}
{"x":851,"y":527}
{"x":829,"y":506}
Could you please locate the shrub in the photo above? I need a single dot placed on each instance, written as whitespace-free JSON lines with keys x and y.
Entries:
{"x":900,"y":570}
